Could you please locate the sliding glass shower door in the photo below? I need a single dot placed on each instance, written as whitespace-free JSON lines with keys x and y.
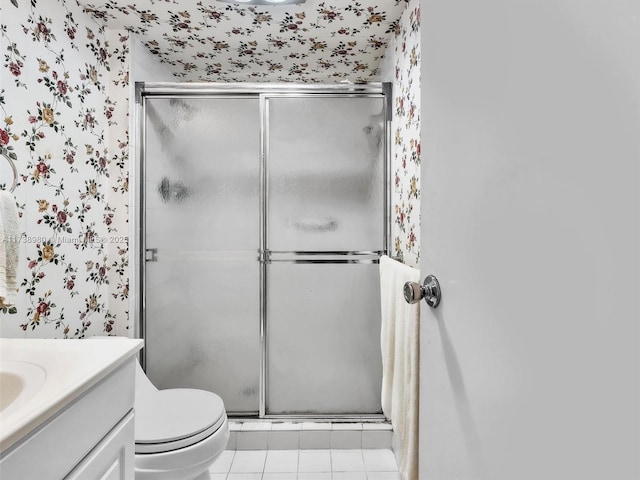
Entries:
{"x":202,"y":277}
{"x":264,"y":216}
{"x":325,"y":229}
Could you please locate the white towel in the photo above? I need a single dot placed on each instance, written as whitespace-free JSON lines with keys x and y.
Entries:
{"x":400,"y":341}
{"x":9,"y":249}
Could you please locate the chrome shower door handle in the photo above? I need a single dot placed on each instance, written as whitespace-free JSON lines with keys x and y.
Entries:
{"x":151,"y":255}
{"x":429,"y":290}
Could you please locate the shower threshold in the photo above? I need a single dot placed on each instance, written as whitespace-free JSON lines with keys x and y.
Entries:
{"x":286,"y":433}
{"x":301,"y":418}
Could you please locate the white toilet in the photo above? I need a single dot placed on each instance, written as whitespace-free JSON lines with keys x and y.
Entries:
{"x":179,"y":431}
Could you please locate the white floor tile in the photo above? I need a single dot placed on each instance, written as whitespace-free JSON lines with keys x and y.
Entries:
{"x":281,"y":461}
{"x":383,"y":476}
{"x":314,"y":476}
{"x":279,"y":476}
{"x":217,"y":476}
{"x":314,"y":461}
{"x":347,"y":461}
{"x":248,"y":461}
{"x":244,"y":476}
{"x":223,"y":462}
{"x":379,"y":461}
{"x":349,"y":476}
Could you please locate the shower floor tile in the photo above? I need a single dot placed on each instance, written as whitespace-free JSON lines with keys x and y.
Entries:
{"x":356,"y":464}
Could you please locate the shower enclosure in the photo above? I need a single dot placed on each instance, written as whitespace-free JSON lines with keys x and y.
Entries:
{"x":264,"y":211}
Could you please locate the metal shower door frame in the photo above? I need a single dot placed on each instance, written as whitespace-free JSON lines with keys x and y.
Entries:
{"x":263,"y":91}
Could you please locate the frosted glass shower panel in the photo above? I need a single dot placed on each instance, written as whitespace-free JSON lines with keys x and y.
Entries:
{"x":326,"y":173}
{"x":202,"y":173}
{"x":202,"y":226}
{"x":323,"y":339}
{"x":202,"y":330}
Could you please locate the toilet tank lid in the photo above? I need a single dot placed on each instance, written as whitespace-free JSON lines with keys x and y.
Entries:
{"x":175,"y":414}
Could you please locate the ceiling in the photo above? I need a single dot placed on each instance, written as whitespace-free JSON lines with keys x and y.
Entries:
{"x":318,"y":41}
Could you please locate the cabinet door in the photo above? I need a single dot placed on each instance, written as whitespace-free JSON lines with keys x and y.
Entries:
{"x":113,"y":458}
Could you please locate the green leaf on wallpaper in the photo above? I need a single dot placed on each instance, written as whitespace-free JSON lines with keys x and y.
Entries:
{"x":15,"y":3}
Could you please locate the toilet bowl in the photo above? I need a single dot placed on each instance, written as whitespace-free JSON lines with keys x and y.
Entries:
{"x":179,"y":432}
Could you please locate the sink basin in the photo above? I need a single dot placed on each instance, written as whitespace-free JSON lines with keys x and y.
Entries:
{"x":19,"y":382}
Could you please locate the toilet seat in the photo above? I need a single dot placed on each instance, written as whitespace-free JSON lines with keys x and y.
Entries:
{"x":167,"y":420}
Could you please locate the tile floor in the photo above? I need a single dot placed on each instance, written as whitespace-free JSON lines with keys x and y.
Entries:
{"x":305,"y":465}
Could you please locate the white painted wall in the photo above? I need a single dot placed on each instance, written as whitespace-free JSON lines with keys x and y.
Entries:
{"x":530,"y":219}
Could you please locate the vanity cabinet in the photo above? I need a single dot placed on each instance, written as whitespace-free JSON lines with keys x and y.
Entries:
{"x":91,"y":438}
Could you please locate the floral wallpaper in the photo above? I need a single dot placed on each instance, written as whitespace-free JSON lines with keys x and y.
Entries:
{"x":206,"y":40}
{"x":64,"y":87}
{"x":63,"y":120}
{"x":403,"y":69}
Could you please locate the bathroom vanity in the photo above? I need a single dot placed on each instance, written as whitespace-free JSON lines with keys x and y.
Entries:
{"x":66,"y":408}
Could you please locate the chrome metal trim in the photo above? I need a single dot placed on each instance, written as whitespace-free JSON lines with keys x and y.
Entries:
{"x":139,"y":87}
{"x":336,"y":261}
{"x":199,"y":89}
{"x":325,"y":252}
{"x":337,"y":418}
{"x":264,"y":211}
{"x":142,"y":221}
{"x":210,"y":256}
{"x":388,"y":108}
{"x":387,"y":89}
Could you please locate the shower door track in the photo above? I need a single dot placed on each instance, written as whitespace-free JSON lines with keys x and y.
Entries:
{"x":263,"y":91}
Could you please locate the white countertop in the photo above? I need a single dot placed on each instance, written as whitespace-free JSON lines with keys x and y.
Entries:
{"x":71,"y":367}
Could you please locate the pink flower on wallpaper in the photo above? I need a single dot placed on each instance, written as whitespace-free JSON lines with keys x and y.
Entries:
{"x":14,"y":68}
{"x":62,"y":87}
{"x":42,"y":28}
{"x":4,"y":137}
{"x":61,"y":216}
{"x":43,"y":308}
